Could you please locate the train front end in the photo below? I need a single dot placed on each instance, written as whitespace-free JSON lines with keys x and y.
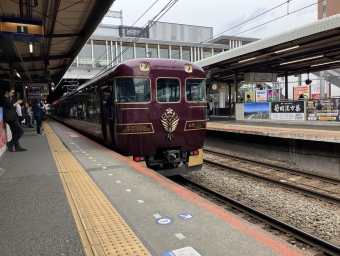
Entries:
{"x":160,"y":116}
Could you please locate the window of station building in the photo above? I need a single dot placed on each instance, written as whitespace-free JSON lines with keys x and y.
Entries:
{"x":175,"y":52}
{"x":195,"y":90}
{"x":186,"y":54}
{"x":207,"y":53}
{"x":127,"y":51}
{"x":168,"y":90}
{"x":152,"y":51}
{"x":85,"y":55}
{"x":111,"y":52}
{"x":74,"y":63}
{"x":164,"y":51}
{"x":119,"y":50}
{"x":140,"y":51}
{"x":217,"y":51}
{"x":131,"y":89}
{"x":99,"y":54}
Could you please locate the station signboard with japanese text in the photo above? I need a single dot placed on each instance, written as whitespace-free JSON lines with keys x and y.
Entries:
{"x":260,"y":77}
{"x":292,"y":110}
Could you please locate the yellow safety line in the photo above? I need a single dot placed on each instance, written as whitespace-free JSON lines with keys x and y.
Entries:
{"x":101,"y":229}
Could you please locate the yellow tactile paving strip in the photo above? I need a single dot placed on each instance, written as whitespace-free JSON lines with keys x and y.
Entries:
{"x":101,"y":229}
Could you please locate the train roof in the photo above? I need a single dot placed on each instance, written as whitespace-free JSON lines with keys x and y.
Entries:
{"x":155,"y":63}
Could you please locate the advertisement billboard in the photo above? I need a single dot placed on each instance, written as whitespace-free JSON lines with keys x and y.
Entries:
{"x":323,"y":110}
{"x":291,"y":110}
{"x":256,"y":110}
{"x":3,"y":135}
{"x":315,"y":91}
{"x":298,"y":90}
{"x":273,"y":95}
{"x":261,"y":95}
{"x":249,"y":96}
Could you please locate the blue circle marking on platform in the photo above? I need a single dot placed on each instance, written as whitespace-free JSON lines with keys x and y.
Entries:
{"x":164,"y":221}
{"x":185,"y":216}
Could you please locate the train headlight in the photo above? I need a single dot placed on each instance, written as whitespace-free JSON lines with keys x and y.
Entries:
{"x":188,"y":68}
{"x":144,"y":66}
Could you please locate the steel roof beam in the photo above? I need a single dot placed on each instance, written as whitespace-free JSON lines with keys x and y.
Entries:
{"x":63,"y":35}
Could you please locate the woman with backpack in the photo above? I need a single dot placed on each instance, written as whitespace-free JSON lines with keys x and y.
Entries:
{"x":37,"y":114}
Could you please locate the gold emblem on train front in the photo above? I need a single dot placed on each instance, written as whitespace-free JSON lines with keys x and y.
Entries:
{"x":169,"y":121}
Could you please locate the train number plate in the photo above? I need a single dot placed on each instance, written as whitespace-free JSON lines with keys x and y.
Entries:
{"x":195,"y":125}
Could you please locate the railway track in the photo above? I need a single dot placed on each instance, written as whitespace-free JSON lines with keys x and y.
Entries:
{"x":227,"y":202}
{"x":306,"y":183}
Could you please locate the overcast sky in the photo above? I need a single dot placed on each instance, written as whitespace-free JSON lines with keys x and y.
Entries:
{"x":222,"y":14}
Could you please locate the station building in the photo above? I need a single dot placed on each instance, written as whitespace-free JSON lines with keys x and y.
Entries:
{"x":161,"y":40}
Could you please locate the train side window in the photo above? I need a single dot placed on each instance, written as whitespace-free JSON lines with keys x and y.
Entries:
{"x":132,"y":89}
{"x":168,"y":90}
{"x":195,"y":90}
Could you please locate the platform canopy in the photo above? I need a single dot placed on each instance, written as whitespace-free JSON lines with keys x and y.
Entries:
{"x":67,"y":26}
{"x":309,"y":48}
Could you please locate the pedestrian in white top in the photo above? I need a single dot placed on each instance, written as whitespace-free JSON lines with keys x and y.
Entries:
{"x":19,"y":113}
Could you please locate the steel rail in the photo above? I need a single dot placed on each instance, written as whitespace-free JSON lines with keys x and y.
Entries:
{"x":278,"y":224}
{"x":280,"y":168}
{"x":318,"y":195}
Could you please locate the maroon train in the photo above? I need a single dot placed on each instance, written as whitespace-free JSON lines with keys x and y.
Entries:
{"x":150,"y":110}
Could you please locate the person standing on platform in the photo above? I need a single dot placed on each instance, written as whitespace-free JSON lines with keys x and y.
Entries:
{"x":208,"y":109}
{"x":13,"y":123}
{"x":19,"y":113}
{"x":339,"y":105}
{"x":37,"y":113}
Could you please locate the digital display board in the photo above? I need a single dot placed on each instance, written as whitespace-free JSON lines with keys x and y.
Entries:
{"x":38,"y":89}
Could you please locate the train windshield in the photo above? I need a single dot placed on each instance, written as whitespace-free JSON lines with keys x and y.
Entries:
{"x":168,"y":90}
{"x":195,"y":90}
{"x":129,"y":89}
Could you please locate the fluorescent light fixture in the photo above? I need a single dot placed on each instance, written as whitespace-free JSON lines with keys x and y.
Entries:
{"x":247,"y":60}
{"x":325,"y":63}
{"x":31,"y":47}
{"x":287,"y":49}
{"x":315,"y":57}
{"x":16,"y":72}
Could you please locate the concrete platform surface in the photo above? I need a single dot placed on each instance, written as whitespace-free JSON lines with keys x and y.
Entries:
{"x":168,"y":219}
{"x":300,"y":131}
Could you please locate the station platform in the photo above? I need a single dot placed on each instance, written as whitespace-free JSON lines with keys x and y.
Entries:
{"x":68,"y":195}
{"x":311,"y":131}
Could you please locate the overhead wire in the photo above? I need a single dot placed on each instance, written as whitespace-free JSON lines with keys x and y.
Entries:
{"x":288,"y":13}
{"x":81,"y":74}
{"x":146,"y":27}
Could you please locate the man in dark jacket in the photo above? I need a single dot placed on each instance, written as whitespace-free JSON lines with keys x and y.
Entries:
{"x":16,"y":128}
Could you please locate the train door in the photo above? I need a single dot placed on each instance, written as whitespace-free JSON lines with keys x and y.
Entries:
{"x":108,"y":112}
